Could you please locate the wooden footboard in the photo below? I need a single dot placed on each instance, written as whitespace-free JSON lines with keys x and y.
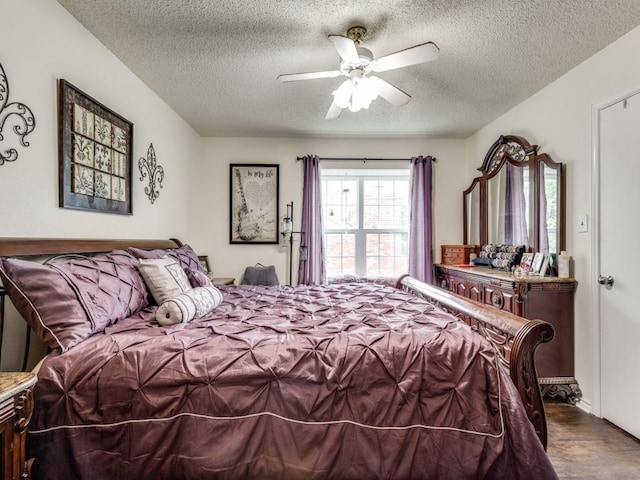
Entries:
{"x":515,"y":339}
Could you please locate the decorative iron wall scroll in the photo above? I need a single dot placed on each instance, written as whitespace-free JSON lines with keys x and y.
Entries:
{"x":254,"y":203}
{"x":95,"y":154}
{"x":148,"y":168}
{"x":17,"y":111}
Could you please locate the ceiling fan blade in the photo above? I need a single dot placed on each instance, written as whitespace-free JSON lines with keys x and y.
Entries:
{"x":292,"y":77}
{"x":392,"y":94}
{"x":346,"y":48}
{"x":404,"y":58}
{"x":334,"y":112}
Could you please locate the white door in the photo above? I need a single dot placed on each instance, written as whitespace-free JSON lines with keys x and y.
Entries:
{"x":619,"y":262}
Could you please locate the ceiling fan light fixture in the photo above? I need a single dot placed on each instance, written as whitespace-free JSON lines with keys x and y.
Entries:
{"x":357,"y":93}
{"x":342,"y":95}
{"x":365,"y":91}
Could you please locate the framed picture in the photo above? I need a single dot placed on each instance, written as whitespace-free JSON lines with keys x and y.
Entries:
{"x":95,"y":146}
{"x":545,"y":268}
{"x":536,"y":265}
{"x":204,"y":261}
{"x":526,"y":261}
{"x":254,"y":203}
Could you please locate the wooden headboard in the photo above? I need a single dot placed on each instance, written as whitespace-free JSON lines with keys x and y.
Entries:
{"x":50,"y":247}
{"x":21,"y":247}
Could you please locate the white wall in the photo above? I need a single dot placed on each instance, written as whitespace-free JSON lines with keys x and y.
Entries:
{"x":558,"y":118}
{"x":211,"y":235}
{"x":40,"y":43}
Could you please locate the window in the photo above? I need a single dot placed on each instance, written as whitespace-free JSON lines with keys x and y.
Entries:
{"x":366,"y":221}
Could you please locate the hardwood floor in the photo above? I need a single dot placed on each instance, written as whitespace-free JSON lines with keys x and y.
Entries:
{"x":582,"y":446}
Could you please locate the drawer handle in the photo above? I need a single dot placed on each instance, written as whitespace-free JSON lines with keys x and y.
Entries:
{"x":497,"y":300}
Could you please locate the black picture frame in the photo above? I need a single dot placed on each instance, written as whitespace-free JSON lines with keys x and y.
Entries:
{"x":95,"y":154}
{"x":254,"y":203}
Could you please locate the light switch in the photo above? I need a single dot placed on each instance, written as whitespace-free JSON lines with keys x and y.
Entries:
{"x":583,"y":225}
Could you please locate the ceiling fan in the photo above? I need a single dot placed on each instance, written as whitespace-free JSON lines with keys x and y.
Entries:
{"x":360,"y":89}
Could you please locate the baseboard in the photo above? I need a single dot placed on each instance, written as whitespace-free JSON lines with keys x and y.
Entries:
{"x":585,"y":405}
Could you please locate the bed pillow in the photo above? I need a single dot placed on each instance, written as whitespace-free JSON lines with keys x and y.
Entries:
{"x":197,"y":278}
{"x":47,"y":302}
{"x":260,"y":275}
{"x":184,"y":255}
{"x":164,"y":277}
{"x":109,"y":287}
{"x":186,"y":306}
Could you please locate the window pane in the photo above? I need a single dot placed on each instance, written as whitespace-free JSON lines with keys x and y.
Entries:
{"x":340,"y":255}
{"x":373,"y":244}
{"x":373,"y":266}
{"x":402,"y":245}
{"x":387,"y":254}
{"x":334,"y":243}
{"x":366,"y":231}
{"x":340,"y":204}
{"x":386,"y":203}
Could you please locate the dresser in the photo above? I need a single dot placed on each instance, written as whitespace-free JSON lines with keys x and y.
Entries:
{"x":16,"y":408}
{"x":545,"y":298}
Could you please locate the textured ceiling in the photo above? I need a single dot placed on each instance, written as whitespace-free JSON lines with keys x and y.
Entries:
{"x":215,"y":62}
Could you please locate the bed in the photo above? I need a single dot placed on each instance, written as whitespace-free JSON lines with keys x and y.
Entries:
{"x":337,"y":381}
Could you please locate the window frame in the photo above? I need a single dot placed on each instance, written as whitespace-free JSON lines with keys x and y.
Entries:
{"x":360,"y":176}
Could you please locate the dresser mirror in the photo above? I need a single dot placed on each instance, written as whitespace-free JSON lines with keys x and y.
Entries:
{"x":471,"y":215}
{"x":518,"y":199}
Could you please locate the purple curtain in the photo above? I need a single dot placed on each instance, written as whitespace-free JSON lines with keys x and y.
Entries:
{"x":515,"y":229}
{"x":311,"y":271}
{"x":420,"y":229}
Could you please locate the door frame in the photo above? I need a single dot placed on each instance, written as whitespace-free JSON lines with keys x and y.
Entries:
{"x":596,"y":344}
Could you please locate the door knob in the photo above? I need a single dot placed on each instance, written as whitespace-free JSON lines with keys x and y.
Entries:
{"x":608,"y":280}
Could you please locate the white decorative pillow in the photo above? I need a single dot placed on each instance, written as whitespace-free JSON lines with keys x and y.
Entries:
{"x":188,"y":305}
{"x":164,"y":277}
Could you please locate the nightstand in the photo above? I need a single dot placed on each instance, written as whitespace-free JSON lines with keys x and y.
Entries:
{"x":223,"y":280}
{"x":16,"y":408}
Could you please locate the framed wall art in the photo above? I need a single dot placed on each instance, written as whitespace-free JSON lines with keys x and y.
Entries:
{"x":95,"y":155}
{"x":254,"y":203}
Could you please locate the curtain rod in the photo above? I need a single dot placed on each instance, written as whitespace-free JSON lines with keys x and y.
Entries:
{"x":365,"y":159}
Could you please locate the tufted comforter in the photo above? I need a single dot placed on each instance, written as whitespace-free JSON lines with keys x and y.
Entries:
{"x":350,"y":381}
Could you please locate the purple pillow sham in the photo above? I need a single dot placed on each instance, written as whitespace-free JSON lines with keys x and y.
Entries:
{"x":47,"y":302}
{"x":68,"y":301}
{"x":109,"y":286}
{"x":197,"y":278}
{"x":184,"y":255}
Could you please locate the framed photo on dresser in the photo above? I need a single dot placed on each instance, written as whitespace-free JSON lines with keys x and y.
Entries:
{"x":95,"y":145}
{"x":526,"y":261}
{"x":536,"y":265}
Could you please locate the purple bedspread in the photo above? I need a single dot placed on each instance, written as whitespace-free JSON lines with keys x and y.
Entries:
{"x":351,"y":381}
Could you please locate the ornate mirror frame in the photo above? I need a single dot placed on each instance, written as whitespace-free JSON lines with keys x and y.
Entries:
{"x":544,"y":194}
